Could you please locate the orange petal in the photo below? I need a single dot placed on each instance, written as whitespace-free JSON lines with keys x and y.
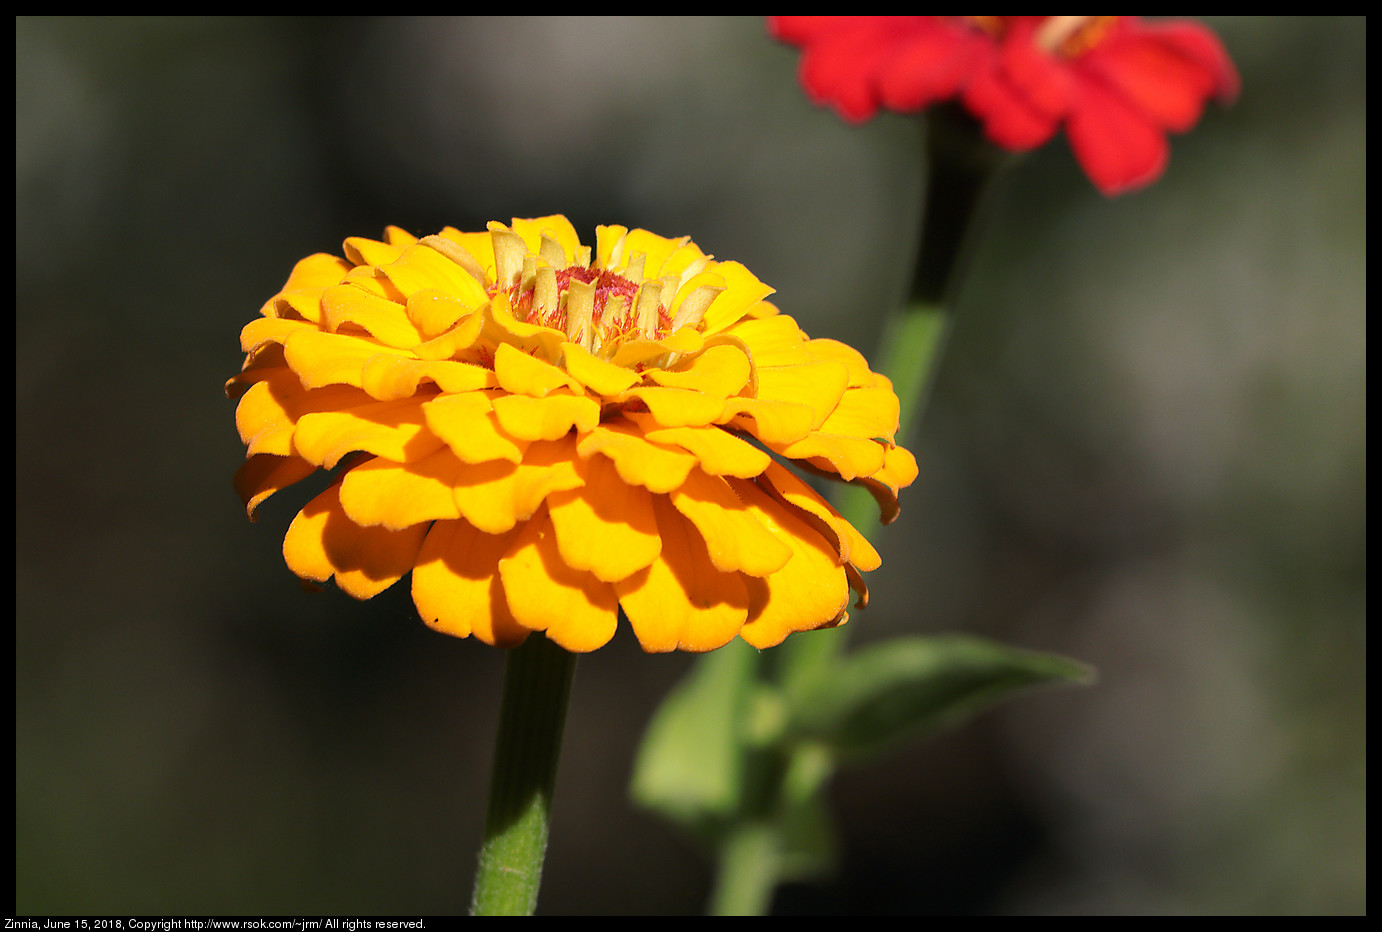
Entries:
{"x":656,"y":467}
{"x":681,"y":601}
{"x":381,"y":318}
{"x":522,"y":374}
{"x":270,"y":408}
{"x":678,"y":407}
{"x":775,"y":341}
{"x":607,"y":526}
{"x":394,"y":495}
{"x":577,"y":611}
{"x":395,"y":430}
{"x":743,"y":290}
{"x":849,"y":457}
{"x":601,"y":377}
{"x":852,"y":546}
{"x":810,"y":591}
{"x":864,"y":412}
{"x":330,"y":358}
{"x":819,"y":385}
{"x":717,"y":370}
{"x":264,"y":474}
{"x":271,"y":330}
{"x":363,"y":251}
{"x":556,"y":226}
{"x":497,"y":495}
{"x":456,"y":584}
{"x":322,"y":542}
{"x":434,"y":312}
{"x":769,"y":421}
{"x":546,"y":418}
{"x":420,"y":268}
{"x":734,"y":538}
{"x":860,"y":375}
{"x":388,"y":377}
{"x":718,"y":451}
{"x":467,"y":425}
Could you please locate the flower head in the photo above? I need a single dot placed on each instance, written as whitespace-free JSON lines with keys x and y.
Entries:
{"x":544,"y":433}
{"x":1118,"y":84}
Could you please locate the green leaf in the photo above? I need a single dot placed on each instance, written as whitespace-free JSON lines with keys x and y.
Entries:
{"x":879,"y":696}
{"x":691,"y":765}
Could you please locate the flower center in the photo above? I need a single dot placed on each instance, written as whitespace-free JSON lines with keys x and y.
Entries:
{"x":594,"y":307}
{"x":1065,"y":36}
{"x":1072,"y":36}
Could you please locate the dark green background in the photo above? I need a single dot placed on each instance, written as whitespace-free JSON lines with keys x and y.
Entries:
{"x":1146,"y":450}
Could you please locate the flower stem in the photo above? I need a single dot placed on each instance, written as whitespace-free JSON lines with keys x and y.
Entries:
{"x":537,"y":686}
{"x":747,"y":870}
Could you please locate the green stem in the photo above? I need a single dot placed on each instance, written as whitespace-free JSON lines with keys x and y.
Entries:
{"x":537,"y":686}
{"x":960,"y":168}
{"x":747,"y":869}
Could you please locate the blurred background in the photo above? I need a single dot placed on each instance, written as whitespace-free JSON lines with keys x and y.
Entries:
{"x":1145,"y":450}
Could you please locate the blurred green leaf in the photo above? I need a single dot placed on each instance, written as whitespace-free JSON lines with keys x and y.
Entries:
{"x":806,"y":827}
{"x":879,"y":696}
{"x":690,"y":767}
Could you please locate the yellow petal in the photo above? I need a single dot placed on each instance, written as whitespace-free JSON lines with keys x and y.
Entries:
{"x":330,"y":358}
{"x":269,"y":410}
{"x":434,"y":313}
{"x":860,"y":376}
{"x":774,"y":341}
{"x":546,"y":418}
{"x":421,"y":269}
{"x":362,"y":251}
{"x":304,"y":285}
{"x":522,"y":374}
{"x":717,"y":370}
{"x":770,"y":421}
{"x":899,"y":469}
{"x":609,"y":246}
{"x":656,"y":249}
{"x":852,"y":546}
{"x":478,"y":245}
{"x":678,"y":407}
{"x":381,"y":318}
{"x":850,"y":457}
{"x":864,"y":412}
{"x":458,"y":342}
{"x":395,"y":430}
{"x":656,"y":467}
{"x":271,"y":330}
{"x":466,"y":424}
{"x":394,"y":495}
{"x":557,"y":226}
{"x":809,"y":592}
{"x":681,"y":601}
{"x":577,"y":611}
{"x":322,"y":542}
{"x":718,"y":452}
{"x":734,"y":538}
{"x":606,"y":527}
{"x":456,"y":584}
{"x":743,"y":290}
{"x":497,"y":495}
{"x":387,"y":377}
{"x":262,"y":475}
{"x":819,"y":385}
{"x":601,"y":377}
{"x":397,"y":236}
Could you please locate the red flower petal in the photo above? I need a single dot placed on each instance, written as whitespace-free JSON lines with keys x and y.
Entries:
{"x":933,"y":65}
{"x":1119,"y":146}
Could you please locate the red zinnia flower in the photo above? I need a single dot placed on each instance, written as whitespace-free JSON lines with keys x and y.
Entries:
{"x":1117,"y":83}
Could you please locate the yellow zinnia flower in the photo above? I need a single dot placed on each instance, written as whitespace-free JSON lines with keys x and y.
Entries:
{"x":543,"y":434}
